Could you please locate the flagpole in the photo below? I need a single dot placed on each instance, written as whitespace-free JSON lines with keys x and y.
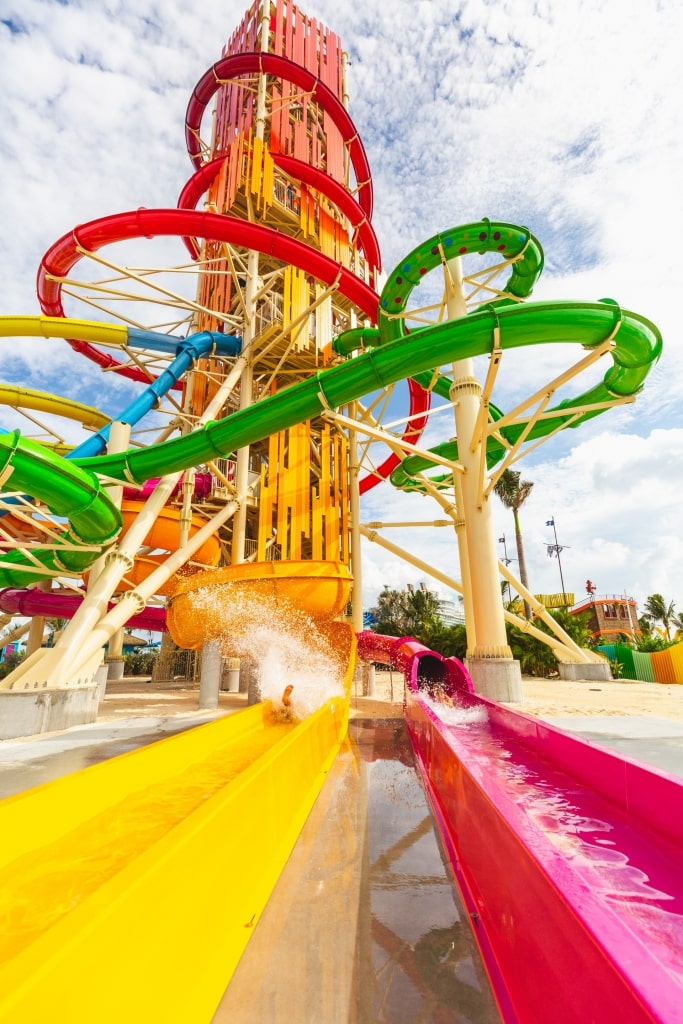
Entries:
{"x":557,"y":552}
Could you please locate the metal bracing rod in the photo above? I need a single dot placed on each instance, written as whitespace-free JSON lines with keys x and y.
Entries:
{"x":291,"y":327}
{"x":170,"y":298}
{"x":213,"y":468}
{"x":513,"y":455}
{"x":514,"y":415}
{"x":119,"y":559}
{"x":382,"y":400}
{"x":39,"y":525}
{"x":396,"y":444}
{"x":241,"y":297}
{"x":16,"y":633}
{"x":412,"y":314}
{"x":59,"y":439}
{"x":563,"y":653}
{"x":480,"y":280}
{"x":388,"y":526}
{"x":541,"y":611}
{"x":128,"y":272}
{"x":579,"y":410}
{"x":121,"y":316}
{"x":135,"y":600}
{"x":419,"y":415}
{"x":71,"y":286}
{"x":412,"y":559}
{"x":480,"y":430}
{"x":558,"y":647}
{"x":268,"y":282}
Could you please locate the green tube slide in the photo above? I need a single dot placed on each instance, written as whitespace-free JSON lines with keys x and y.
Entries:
{"x":70,"y":493}
{"x":72,"y":489}
{"x":638,"y":346}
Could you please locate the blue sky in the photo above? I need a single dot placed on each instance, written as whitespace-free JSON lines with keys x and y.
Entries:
{"x":561,"y":117}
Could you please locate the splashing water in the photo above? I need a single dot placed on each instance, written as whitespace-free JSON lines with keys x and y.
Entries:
{"x":452,"y":714}
{"x":282,"y":642}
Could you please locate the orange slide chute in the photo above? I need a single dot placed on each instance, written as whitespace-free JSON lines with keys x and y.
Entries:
{"x":164,"y":535}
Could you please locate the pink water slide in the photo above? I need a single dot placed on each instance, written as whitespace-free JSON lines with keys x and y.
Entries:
{"x":568,"y":856}
{"x":65,"y":606}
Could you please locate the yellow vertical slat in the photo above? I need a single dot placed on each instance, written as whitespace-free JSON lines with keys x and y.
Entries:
{"x":244,"y":159}
{"x":317,"y":524}
{"x":268,"y":495}
{"x":281,"y":495}
{"x":302,"y":300}
{"x":256,"y":159}
{"x":336,"y":499}
{"x":296,"y":287}
{"x":303,"y":482}
{"x":264,"y":519}
{"x":324,"y":487}
{"x":304,"y":215}
{"x":268,"y":179}
{"x":288,"y":486}
{"x":295,"y":465}
{"x":330,"y":546}
{"x":323,"y":322}
{"x":287,"y":295}
{"x":344,"y":505}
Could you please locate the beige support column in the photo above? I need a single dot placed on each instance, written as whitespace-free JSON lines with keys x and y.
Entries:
{"x":34,"y":641}
{"x":465,"y":574}
{"x":210,"y":680}
{"x":369,"y":680}
{"x":490,"y":663}
{"x":119,"y":440}
{"x":239,"y":531}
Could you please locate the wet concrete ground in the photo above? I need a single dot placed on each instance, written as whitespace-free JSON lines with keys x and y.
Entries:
{"x":650,"y":739}
{"x":28,"y":763}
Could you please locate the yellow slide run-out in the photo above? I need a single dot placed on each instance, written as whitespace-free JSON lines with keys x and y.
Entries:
{"x":183,"y":840}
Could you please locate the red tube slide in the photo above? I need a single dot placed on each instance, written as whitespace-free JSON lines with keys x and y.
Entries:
{"x":288,"y":71}
{"x":67,"y":251}
{"x":198,"y":184}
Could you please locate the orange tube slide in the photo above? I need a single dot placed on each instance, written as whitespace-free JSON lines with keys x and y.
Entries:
{"x":165,"y":535}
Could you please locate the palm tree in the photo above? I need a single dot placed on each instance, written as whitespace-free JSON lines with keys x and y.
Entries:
{"x":54,"y":628}
{"x":658,"y":610}
{"x":677,"y":622}
{"x":410,"y":612}
{"x":513,"y":492}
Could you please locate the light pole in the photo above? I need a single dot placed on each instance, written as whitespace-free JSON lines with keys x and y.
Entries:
{"x":554,"y":549}
{"x":506,"y":561}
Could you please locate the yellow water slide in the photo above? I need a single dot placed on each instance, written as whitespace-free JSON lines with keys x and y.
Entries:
{"x":132,"y":887}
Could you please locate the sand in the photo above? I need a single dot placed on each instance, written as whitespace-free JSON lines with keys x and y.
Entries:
{"x":545,"y":698}
{"x":548,"y":698}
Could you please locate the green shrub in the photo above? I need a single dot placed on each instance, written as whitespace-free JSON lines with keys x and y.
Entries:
{"x":139,"y":664}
